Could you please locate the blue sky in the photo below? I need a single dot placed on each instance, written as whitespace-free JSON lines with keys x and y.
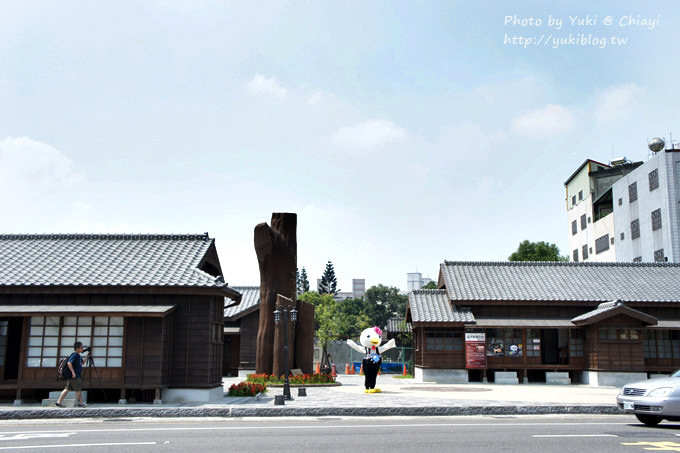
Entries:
{"x":402,"y":133}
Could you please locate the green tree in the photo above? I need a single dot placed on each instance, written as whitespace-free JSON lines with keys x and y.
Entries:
{"x":430,"y":285}
{"x":329,"y":284}
{"x":385,"y":302}
{"x":325,"y":320}
{"x":537,"y":251}
{"x":353,"y":317}
{"x":405,"y":337}
{"x":302,"y":282}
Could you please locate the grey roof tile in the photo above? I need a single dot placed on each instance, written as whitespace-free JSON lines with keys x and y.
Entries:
{"x":611,"y":308}
{"x":250,"y":301}
{"x":99,"y":260}
{"x":397,"y":325}
{"x":433,"y":305}
{"x":561,"y":281}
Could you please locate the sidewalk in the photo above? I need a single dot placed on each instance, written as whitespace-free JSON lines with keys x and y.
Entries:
{"x":398,"y":397}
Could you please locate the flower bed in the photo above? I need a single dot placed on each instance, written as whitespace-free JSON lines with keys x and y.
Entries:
{"x":247,"y":389}
{"x":305,"y":379}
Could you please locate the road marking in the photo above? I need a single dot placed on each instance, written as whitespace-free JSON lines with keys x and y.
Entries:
{"x":574,"y":435}
{"x":310,"y":427}
{"x":657,"y":446}
{"x":104,"y":444}
{"x":34,"y":435}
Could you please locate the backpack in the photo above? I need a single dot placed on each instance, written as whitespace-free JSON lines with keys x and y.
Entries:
{"x":63,"y":371}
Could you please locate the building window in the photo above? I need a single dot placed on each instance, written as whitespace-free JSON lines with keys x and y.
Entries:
{"x":52,"y":337}
{"x":620,"y":201}
{"x":580,"y":195}
{"x":611,"y":334}
{"x":656,"y":220}
{"x":622,"y":236}
{"x":661,"y":344}
{"x":658,"y":256}
{"x":637,"y":259}
{"x":612,"y":240}
{"x":444,"y":341}
{"x":574,"y":229}
{"x":574,"y":257}
{"x":533,"y":343}
{"x":632,"y":192}
{"x":575,"y":343}
{"x":589,"y":220}
{"x":3,"y":340}
{"x":635,"y":229}
{"x":584,"y":252}
{"x":504,"y":343}
{"x":653,"y":180}
{"x":573,"y":200}
{"x":584,"y":225}
{"x":602,"y":244}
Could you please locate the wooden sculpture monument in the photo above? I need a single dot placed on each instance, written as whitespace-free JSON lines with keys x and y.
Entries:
{"x":276,"y":249}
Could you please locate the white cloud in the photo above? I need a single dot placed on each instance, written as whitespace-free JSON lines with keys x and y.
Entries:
{"x":315,"y":98}
{"x":27,"y":161}
{"x":370,"y":134}
{"x":550,"y":120}
{"x":261,"y":85}
{"x":616,"y":103}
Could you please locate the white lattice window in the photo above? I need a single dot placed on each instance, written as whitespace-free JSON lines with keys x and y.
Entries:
{"x":53,"y":337}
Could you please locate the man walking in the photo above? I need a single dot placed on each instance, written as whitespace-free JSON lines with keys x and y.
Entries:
{"x":74,"y":383}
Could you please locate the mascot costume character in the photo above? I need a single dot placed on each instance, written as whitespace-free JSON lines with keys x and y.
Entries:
{"x":370,"y":340}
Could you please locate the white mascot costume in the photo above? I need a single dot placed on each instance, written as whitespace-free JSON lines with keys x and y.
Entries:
{"x":370,"y":340}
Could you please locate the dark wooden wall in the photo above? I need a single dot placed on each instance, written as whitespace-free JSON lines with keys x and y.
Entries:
{"x":197,"y":341}
{"x":613,"y":354}
{"x":184,"y":350}
{"x":249,"y":327}
{"x":147,"y":352}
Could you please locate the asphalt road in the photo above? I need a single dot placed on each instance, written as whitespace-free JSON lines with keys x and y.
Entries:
{"x":361,"y":434}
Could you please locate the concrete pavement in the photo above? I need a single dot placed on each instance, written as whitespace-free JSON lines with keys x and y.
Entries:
{"x":398,"y":397}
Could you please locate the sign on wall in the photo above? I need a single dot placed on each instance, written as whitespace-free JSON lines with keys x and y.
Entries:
{"x":475,"y":350}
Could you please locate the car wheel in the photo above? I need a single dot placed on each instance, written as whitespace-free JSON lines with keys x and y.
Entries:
{"x":649,"y":420}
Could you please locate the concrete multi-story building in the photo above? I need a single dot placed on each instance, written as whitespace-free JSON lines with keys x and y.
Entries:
{"x":589,"y":205}
{"x":415,"y":280}
{"x":647,"y":209}
{"x":625,"y":211}
{"x":358,"y":290}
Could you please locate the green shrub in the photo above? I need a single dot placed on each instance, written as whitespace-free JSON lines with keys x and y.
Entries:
{"x":246,"y":389}
{"x":305,"y":379}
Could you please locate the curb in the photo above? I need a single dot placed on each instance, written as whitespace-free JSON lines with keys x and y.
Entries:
{"x":279,"y":411}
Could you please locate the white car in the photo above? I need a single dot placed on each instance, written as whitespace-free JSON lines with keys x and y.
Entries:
{"x":652,"y":400}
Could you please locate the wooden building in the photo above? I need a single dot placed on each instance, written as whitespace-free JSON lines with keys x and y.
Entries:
{"x":597,"y":323}
{"x":241,"y":323}
{"x":151,"y":307}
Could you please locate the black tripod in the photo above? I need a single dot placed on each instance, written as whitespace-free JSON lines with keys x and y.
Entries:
{"x":89,"y":361}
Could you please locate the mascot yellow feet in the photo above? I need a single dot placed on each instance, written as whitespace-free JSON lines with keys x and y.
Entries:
{"x":373,"y":390}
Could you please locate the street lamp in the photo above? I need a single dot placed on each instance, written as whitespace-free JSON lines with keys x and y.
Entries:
{"x":277,"y":319}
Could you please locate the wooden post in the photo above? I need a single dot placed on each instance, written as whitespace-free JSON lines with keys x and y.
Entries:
{"x":278,"y":364}
{"x":276,"y":249}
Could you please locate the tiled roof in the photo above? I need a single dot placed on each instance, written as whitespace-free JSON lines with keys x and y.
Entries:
{"x":433,"y":305}
{"x":607,"y":309}
{"x":397,"y":325}
{"x":107,"y":260}
{"x":250,"y":301}
{"x":562,"y":281}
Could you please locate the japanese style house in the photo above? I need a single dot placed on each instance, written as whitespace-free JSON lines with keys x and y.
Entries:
{"x":241,"y":323}
{"x":597,"y":323}
{"x":151,"y":307}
